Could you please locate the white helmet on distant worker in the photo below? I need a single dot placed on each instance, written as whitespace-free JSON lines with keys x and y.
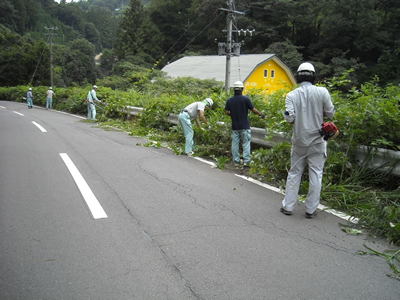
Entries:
{"x":50,"y":88}
{"x":238,"y":85}
{"x":209,"y":101}
{"x":95,"y":86}
{"x":307,"y":67}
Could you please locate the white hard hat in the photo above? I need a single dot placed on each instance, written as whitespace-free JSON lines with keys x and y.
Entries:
{"x":238,"y":85}
{"x":95,"y":86}
{"x":306,"y":67}
{"x":30,"y":89}
{"x":50,"y":88}
{"x":210,"y":101}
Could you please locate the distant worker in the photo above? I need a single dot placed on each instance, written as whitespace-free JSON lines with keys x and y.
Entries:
{"x":237,"y":107}
{"x":29,"y":98}
{"x":49,"y":95}
{"x":91,"y":100}
{"x":306,"y":107}
{"x":193,"y":111}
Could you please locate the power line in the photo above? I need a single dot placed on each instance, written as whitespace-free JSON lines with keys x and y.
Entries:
{"x":196,"y":36}
{"x":211,"y":2}
{"x":37,"y":65}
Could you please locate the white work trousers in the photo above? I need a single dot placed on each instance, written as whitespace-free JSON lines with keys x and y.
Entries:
{"x":315,"y":157}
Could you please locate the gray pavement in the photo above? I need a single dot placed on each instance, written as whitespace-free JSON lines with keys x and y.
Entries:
{"x":175,"y":228}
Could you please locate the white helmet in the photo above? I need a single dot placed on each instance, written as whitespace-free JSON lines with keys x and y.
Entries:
{"x":238,"y":85}
{"x":95,"y":86}
{"x":50,"y":88}
{"x":306,"y":67}
{"x":208,"y":101}
{"x":30,"y":89}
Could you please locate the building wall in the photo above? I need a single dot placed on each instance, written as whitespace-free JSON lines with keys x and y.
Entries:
{"x":276,"y":78}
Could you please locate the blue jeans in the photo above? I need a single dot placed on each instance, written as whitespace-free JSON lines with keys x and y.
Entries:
{"x":49,"y":102}
{"x":185,"y":122}
{"x":243,"y":135}
{"x":30,"y":101}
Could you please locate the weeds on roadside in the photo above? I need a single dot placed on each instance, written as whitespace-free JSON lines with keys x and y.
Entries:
{"x":367,"y":115}
{"x":391,"y":256}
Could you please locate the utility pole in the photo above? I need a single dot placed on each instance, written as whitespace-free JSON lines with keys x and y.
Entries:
{"x":228,"y":45}
{"x":51,"y":33}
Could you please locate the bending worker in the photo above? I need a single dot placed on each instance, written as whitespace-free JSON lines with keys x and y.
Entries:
{"x":193,"y":111}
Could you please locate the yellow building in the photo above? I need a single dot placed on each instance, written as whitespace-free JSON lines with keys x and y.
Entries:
{"x":270,"y":75}
{"x":261,"y":71}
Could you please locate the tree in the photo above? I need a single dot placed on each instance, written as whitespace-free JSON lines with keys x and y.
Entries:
{"x":105,"y":23}
{"x":288,"y":53}
{"x":20,"y":59}
{"x":79,"y":64}
{"x":137,"y":34}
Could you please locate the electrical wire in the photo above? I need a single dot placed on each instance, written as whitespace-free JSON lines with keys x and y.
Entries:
{"x":44,"y":48}
{"x":197,"y":35}
{"x":165,"y":54}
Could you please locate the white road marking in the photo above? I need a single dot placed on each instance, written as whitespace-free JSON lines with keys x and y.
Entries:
{"x":205,"y":161}
{"x":18,"y":113}
{"x":94,"y":206}
{"x":2,"y":107}
{"x":338,"y":214}
{"x":320,"y":206}
{"x":39,"y":126}
{"x":65,"y":113}
{"x":272,"y":188}
{"x":262,"y":184}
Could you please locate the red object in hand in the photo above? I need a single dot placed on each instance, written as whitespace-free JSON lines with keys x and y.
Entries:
{"x":329,"y":131}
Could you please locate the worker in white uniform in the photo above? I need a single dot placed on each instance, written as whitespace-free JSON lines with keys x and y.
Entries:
{"x":306,"y":107}
{"x":190,"y":112}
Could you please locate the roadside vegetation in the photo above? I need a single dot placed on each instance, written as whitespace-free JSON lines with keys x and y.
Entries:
{"x":137,"y":38}
{"x":367,"y":116}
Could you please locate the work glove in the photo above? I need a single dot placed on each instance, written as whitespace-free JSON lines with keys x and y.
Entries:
{"x":262,"y":116}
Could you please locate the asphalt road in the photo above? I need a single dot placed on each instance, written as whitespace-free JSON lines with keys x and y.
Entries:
{"x":87,"y":213}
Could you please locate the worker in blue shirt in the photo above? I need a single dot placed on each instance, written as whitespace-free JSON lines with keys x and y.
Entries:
{"x":237,"y":107}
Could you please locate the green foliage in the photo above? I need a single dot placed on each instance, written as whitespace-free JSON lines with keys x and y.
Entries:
{"x":222,"y":161}
{"x":391,"y":256}
{"x":369,"y":115}
{"x":288,"y":52}
{"x":365,"y":116}
{"x":136,"y":33}
{"x":272,"y":164}
{"x":186,"y":85}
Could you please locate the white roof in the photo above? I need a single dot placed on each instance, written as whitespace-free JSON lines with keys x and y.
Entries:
{"x":214,"y":66}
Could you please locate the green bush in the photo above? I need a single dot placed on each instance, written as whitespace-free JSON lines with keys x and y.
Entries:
{"x":365,"y":116}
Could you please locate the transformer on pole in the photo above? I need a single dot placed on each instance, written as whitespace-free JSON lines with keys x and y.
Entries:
{"x":226,"y":48}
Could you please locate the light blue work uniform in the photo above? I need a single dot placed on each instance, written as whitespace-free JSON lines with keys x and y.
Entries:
{"x":92,"y":98}
{"x":187,"y":114}
{"x":29,"y":99}
{"x":307,"y":106}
